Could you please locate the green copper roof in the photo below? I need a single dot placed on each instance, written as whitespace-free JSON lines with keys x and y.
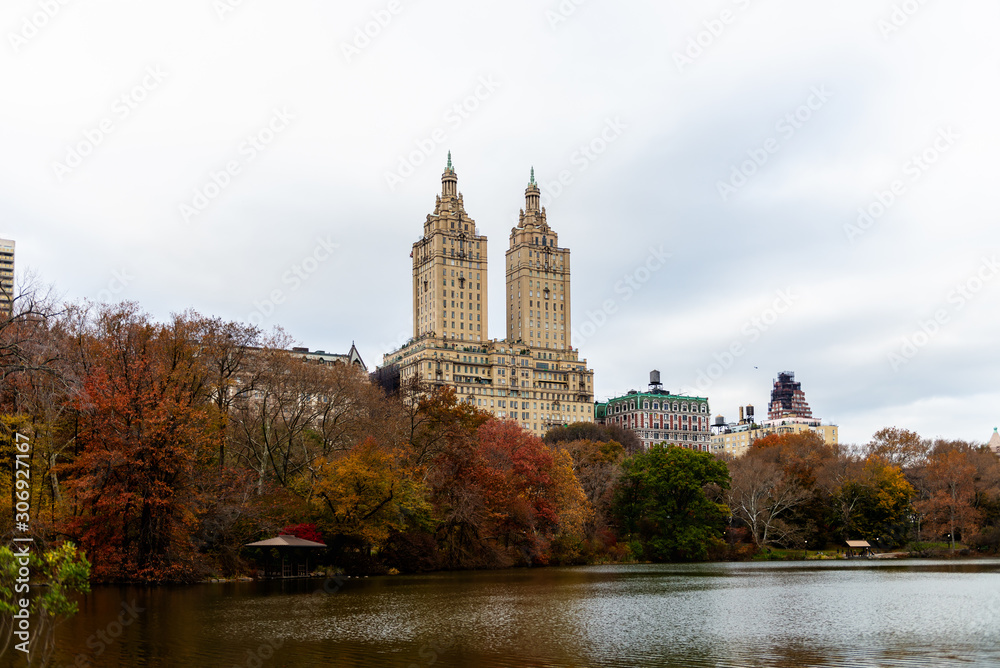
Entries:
{"x":450,"y":168}
{"x":532,"y":176}
{"x":650,"y":395}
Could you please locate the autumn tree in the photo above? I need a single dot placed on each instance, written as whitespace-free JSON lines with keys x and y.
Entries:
{"x":498,"y":497}
{"x":302,"y":412}
{"x":777,"y":492}
{"x":368,"y":492}
{"x":25,"y":326}
{"x":897,"y":447}
{"x":598,"y":467}
{"x":441,"y":423}
{"x":762,"y":495}
{"x":576,"y":512}
{"x":949,"y":495}
{"x":874,"y":503}
{"x":145,"y":435}
{"x":664,"y":501}
{"x":598,"y":433}
{"x":230,"y":353}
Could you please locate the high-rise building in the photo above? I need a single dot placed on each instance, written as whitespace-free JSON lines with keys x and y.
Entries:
{"x":787,"y":398}
{"x":994,"y":443}
{"x":6,"y":277}
{"x":534,"y":375}
{"x":538,"y":286}
{"x":788,"y":413}
{"x":443,"y":289}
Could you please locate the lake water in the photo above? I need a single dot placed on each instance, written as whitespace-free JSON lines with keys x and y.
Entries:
{"x":832,"y":613}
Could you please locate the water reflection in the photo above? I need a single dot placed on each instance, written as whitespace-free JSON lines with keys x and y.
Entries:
{"x":914,"y":613}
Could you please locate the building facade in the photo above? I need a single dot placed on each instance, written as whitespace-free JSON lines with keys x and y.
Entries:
{"x":788,"y":413}
{"x":787,"y":398}
{"x":6,"y":277}
{"x":534,"y":375}
{"x":736,"y":439}
{"x":351,"y":358}
{"x":450,"y":259}
{"x":538,"y":285}
{"x":657,"y":416}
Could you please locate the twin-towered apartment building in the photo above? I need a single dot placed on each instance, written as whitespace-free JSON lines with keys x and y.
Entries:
{"x":533,"y":375}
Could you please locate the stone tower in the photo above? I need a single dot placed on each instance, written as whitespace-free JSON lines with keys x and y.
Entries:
{"x":449,"y":270}
{"x":538,"y":280}
{"x":533,"y":376}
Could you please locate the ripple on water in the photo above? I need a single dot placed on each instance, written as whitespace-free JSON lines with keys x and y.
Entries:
{"x":720,"y":615}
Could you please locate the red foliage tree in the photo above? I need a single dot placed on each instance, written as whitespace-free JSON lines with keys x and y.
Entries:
{"x":145,"y":435}
{"x":304,"y":531}
{"x":496,"y":497}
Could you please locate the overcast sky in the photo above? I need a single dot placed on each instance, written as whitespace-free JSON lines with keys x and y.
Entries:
{"x":715,"y":158}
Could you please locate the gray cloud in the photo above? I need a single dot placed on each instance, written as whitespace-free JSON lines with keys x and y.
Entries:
{"x":655,"y":185}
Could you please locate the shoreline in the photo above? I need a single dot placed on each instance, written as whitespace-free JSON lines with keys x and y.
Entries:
{"x":884,"y":556}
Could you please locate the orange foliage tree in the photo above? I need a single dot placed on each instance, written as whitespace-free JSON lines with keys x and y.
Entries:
{"x":948,"y":509}
{"x":145,"y":434}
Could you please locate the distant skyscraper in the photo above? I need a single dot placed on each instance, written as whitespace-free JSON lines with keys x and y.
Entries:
{"x":788,"y":413}
{"x":538,"y":297}
{"x":995,"y":441}
{"x":788,"y":399}
{"x":534,"y":375}
{"x":450,"y":236}
{"x":6,"y":277}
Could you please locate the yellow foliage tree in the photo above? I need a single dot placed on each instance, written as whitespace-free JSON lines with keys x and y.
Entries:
{"x":369,"y":492}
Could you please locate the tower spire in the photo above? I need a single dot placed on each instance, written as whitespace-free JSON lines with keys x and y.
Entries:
{"x":532,"y":194}
{"x":449,"y":180}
